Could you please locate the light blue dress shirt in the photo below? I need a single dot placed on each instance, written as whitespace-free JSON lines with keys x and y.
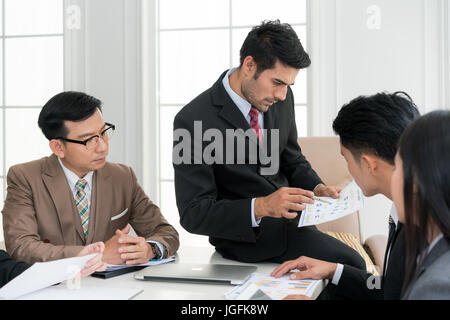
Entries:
{"x":244,"y":106}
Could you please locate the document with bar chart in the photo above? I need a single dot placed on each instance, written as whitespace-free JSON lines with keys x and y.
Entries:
{"x":277,"y":289}
{"x":351,"y":199}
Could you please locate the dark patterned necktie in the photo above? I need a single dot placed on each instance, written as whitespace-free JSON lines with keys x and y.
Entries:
{"x":254,"y":124}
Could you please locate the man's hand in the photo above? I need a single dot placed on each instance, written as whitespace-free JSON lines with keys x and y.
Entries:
{"x":96,"y":263}
{"x":135,"y":250}
{"x":308,"y":269}
{"x":326,"y":191}
{"x":111,"y":255}
{"x":279,"y":203}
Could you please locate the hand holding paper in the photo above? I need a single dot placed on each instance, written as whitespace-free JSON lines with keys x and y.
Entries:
{"x":327,"y":191}
{"x":95,"y":264}
{"x":351,"y":199}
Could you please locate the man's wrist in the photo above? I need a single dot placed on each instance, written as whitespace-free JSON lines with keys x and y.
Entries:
{"x":157,"y":254}
{"x":255,"y":223}
{"x":333,"y":267}
{"x":319,"y":185}
{"x":337,"y":274}
{"x":259,"y":209}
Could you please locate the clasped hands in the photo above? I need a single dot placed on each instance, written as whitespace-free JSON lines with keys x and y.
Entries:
{"x":123,"y":248}
{"x":285,"y":202}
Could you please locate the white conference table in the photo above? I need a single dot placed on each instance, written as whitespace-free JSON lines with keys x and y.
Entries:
{"x":168,"y":290}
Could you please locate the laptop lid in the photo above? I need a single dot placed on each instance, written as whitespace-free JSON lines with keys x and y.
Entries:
{"x":186,"y":272}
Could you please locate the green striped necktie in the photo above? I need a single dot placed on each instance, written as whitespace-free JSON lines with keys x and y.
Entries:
{"x":82,"y":205}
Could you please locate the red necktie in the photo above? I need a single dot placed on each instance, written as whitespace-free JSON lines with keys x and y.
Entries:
{"x":254,"y":124}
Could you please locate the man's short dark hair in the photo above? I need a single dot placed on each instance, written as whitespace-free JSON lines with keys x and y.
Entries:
{"x":374,"y":124}
{"x":272,"y":41}
{"x":66,"y":106}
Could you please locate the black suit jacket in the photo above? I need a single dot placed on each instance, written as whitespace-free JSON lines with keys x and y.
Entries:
{"x":354,"y":282}
{"x":9,"y":268}
{"x":215,"y":200}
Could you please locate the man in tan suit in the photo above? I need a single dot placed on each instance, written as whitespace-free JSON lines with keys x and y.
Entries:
{"x":57,"y":205}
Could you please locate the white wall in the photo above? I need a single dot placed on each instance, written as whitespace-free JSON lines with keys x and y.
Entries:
{"x":103,"y":58}
{"x":112,"y":57}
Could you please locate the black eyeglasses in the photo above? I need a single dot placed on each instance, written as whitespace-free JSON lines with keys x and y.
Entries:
{"x":92,"y":142}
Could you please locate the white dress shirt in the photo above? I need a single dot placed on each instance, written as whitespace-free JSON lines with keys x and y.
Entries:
{"x":72,"y":180}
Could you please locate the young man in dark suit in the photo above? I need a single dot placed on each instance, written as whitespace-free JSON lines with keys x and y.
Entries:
{"x":248,"y":206}
{"x":369,"y":129}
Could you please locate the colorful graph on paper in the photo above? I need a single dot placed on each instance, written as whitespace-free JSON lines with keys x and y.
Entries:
{"x":277,"y":289}
{"x":299,"y":285}
{"x":267,"y":283}
{"x":351,"y":199}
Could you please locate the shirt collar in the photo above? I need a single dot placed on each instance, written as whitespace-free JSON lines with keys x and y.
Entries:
{"x":435,"y":241}
{"x":394,"y":215}
{"x":243,"y":105}
{"x":72,"y":178}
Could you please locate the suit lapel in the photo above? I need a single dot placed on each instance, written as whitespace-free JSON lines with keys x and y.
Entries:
{"x":390,"y":244}
{"x":58,"y":188}
{"x":229,"y":112}
{"x":101,"y":206}
{"x":441,"y":247}
{"x":269,"y":121}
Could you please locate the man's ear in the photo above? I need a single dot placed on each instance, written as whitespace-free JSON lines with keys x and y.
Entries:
{"x":249,"y":66}
{"x":58,"y":148}
{"x":369,"y":163}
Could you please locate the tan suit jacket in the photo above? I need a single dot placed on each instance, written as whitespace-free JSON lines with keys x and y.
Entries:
{"x":41,"y":221}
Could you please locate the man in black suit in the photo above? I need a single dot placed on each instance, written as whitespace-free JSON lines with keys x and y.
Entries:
{"x":369,"y":129}
{"x":246,"y":188}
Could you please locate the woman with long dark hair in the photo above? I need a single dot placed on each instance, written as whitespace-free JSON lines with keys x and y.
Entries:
{"x":421,"y":192}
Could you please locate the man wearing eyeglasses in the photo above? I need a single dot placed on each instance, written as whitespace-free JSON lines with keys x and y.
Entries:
{"x":57,"y":205}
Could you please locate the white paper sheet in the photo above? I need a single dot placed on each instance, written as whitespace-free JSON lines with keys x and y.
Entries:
{"x":42,"y":275}
{"x":63,"y":292}
{"x":351,"y":199}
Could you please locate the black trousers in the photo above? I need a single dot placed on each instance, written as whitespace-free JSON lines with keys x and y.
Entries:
{"x":310,"y":242}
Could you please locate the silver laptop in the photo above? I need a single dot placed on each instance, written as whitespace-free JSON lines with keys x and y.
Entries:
{"x":185,"y":272}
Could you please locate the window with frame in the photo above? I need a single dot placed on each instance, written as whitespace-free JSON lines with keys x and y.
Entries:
{"x":198,"y":40}
{"x":31,"y":69}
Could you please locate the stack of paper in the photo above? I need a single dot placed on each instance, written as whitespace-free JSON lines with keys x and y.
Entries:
{"x":112,"y":267}
{"x":351,"y":199}
{"x":277,"y":289}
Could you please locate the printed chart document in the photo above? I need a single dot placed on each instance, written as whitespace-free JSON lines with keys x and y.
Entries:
{"x":112,"y":267}
{"x":276,"y":289}
{"x":351,"y":199}
{"x":42,"y":275}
